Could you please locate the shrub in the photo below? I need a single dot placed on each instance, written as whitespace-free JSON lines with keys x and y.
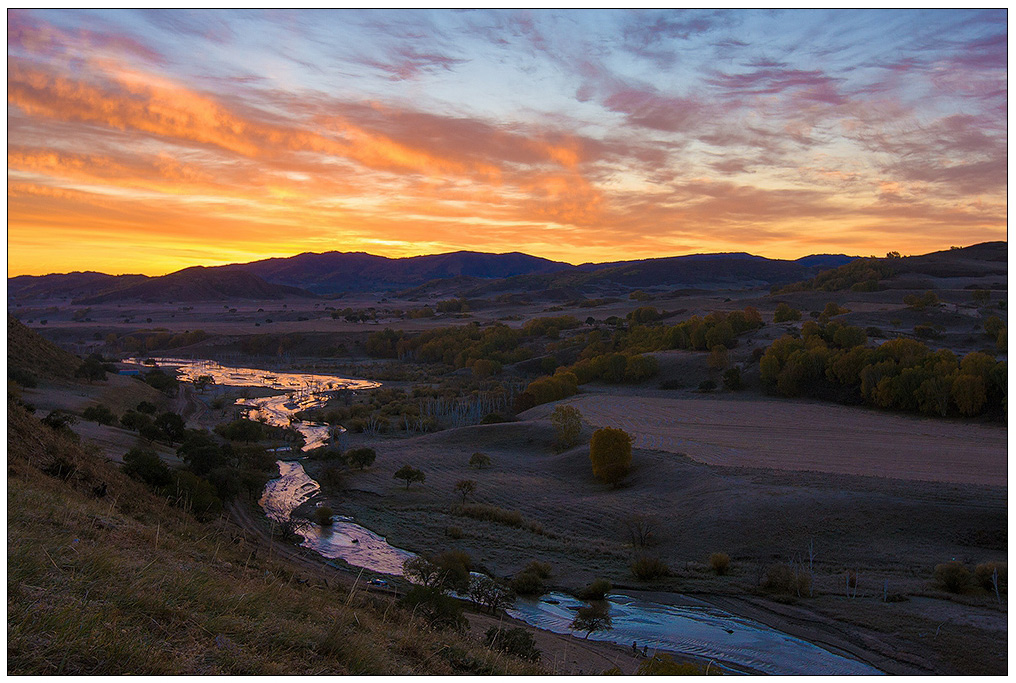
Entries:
{"x":454,"y":532}
{"x":782,"y":578}
{"x":707,"y":386}
{"x":597,"y":590}
{"x":323,"y":515}
{"x":567,"y":421}
{"x":610,"y":453}
{"x":438,"y":609}
{"x":648,"y":567}
{"x":541,"y":569}
{"x":732,"y":379}
{"x":720,"y":562}
{"x":952,"y":576}
{"x":983,"y":575}
{"x":498,"y":515}
{"x":515,"y":641}
{"x":100,"y":414}
{"x":528,"y":583}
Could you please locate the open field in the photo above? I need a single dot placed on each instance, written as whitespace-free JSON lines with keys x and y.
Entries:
{"x":807,"y":436}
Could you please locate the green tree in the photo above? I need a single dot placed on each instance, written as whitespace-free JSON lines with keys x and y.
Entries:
{"x":610,"y":453}
{"x":171,"y":425}
{"x":969,"y":393}
{"x":360,"y":458}
{"x":91,"y":370}
{"x":100,"y":414}
{"x":409,"y":474}
{"x":567,"y":421}
{"x":143,"y":464}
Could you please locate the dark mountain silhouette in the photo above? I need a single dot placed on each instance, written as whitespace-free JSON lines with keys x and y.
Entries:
{"x":196,"y":284}
{"x":335,"y":271}
{"x":697,"y":270}
{"x":977,"y":260}
{"x":71,"y":285}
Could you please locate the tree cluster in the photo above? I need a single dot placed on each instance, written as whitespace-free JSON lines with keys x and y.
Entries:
{"x":900,"y":374}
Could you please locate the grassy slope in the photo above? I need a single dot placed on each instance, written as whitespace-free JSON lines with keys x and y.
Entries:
{"x":125,"y":584}
{"x":29,"y":351}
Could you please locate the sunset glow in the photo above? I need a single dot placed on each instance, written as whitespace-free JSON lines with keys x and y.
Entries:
{"x":149,"y":141}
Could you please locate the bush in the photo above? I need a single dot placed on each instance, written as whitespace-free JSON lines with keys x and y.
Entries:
{"x":528,"y":583}
{"x":707,"y":386}
{"x":647,"y":568}
{"x":782,"y":578}
{"x":515,"y":641}
{"x":323,"y":515}
{"x":454,"y":532}
{"x":610,"y":453}
{"x":720,"y":562}
{"x":597,"y":590}
{"x":952,"y":576}
{"x":498,"y":515}
{"x":732,"y":379}
{"x":438,"y":609}
{"x":541,"y":569}
{"x":983,"y":575}
{"x":100,"y":414}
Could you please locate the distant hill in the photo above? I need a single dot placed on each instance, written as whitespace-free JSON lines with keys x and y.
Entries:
{"x":695,"y":271}
{"x":869,"y":274}
{"x":30,"y":353}
{"x":196,"y":284}
{"x":335,"y":271}
{"x":73,"y":285}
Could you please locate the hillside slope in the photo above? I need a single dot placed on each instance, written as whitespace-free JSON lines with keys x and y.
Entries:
{"x":105,"y":578}
{"x":29,"y":352}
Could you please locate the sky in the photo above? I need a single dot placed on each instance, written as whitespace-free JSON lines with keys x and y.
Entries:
{"x":153,"y":140}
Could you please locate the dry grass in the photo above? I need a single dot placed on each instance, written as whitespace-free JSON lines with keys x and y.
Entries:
{"x":499,"y":515}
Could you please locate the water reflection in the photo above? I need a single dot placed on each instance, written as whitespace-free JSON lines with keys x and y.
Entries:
{"x":343,"y":540}
{"x":698,"y":630}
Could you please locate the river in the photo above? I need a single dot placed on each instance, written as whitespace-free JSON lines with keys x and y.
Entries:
{"x":692,"y":628}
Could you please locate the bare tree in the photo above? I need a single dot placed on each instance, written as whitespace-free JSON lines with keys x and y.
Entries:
{"x":641,"y":529}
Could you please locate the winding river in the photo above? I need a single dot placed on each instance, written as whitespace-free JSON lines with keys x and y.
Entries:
{"x":693,"y":628}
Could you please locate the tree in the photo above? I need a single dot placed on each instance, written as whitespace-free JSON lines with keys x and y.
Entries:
{"x":490,"y":594}
{"x":732,"y":379}
{"x":465,"y":487}
{"x":479,"y":460}
{"x":641,"y":529}
{"x":360,"y":458}
{"x":201,"y":451}
{"x":410,"y":474}
{"x":785,"y":313}
{"x":593,"y":617}
{"x":91,"y":370}
{"x":323,"y":515}
{"x":717,"y":358}
{"x":171,"y":425}
{"x":610,"y":453}
{"x":567,"y":421}
{"x":100,"y":414}
{"x":201,"y":382}
{"x":143,"y":464}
